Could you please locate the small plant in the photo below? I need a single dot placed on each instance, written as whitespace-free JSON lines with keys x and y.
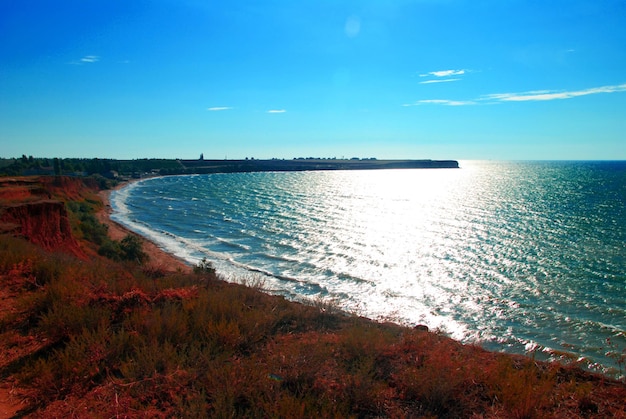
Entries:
{"x":523,"y":387}
{"x":204,"y":267}
{"x":617,"y":355}
{"x":256,"y":282}
{"x":326,"y":305}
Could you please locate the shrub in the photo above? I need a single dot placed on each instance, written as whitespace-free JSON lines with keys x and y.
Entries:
{"x":93,"y":230}
{"x":128,"y":249}
{"x":204,"y":267}
{"x":131,"y":248}
{"x":522,"y":387}
{"x":111,"y":249}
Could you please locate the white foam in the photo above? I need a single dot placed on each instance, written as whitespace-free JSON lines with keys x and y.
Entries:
{"x":123,"y":214}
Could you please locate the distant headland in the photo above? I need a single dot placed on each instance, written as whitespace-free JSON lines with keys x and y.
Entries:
{"x":305,"y":164}
{"x":136,"y":168}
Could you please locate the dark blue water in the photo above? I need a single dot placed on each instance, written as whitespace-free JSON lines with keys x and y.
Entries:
{"x":518,"y":256}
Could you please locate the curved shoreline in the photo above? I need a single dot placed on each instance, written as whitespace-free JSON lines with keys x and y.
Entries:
{"x":159,"y":258}
{"x":158,"y":251}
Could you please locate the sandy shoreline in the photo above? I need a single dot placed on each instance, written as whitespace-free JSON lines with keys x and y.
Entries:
{"x":159,"y":258}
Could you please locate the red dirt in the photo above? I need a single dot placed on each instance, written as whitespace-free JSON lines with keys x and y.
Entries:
{"x":9,"y":403}
{"x":44,"y":223}
{"x":28,"y":210}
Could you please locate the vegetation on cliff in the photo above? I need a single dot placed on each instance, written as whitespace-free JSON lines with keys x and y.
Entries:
{"x":101,"y":337}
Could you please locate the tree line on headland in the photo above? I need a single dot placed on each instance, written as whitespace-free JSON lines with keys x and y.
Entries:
{"x":126,"y":169}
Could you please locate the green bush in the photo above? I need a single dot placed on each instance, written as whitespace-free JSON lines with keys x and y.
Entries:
{"x":131,"y":248}
{"x":93,"y":230}
{"x":111,"y":249}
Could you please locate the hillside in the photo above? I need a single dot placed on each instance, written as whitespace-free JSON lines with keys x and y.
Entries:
{"x":91,"y":326}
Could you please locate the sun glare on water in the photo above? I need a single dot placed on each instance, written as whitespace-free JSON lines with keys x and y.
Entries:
{"x":485,"y":253}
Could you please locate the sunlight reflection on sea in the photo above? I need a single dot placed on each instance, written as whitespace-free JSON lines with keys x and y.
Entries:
{"x":511,"y":255}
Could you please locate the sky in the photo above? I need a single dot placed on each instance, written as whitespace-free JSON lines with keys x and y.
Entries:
{"x":440,"y":79}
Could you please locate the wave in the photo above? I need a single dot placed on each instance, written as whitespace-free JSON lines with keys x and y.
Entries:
{"x":232,"y":244}
{"x":486,"y":253}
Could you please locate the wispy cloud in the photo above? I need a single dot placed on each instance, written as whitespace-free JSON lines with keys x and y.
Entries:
{"x":534,"y":95}
{"x":445,"y":102}
{"x":539,"y":95}
{"x":444,"y":73}
{"x":219,"y":108}
{"x":276,"y":111}
{"x":442,"y":76}
{"x":90,"y":59}
{"x":87,"y":59}
{"x":438,"y":81}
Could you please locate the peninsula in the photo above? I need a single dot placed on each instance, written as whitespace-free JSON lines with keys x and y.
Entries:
{"x":304,"y":164}
{"x":136,"y":168}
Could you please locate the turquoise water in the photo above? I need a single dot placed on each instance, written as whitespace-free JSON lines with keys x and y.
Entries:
{"x":516,"y":256}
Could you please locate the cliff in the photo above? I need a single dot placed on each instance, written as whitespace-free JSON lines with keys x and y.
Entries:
{"x":34,"y":208}
{"x":44,"y":223}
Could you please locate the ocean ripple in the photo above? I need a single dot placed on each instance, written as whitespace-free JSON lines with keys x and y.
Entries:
{"x":518,"y":256}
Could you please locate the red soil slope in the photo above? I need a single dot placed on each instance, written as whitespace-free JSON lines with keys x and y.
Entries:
{"x":27,"y":210}
{"x":44,"y":223}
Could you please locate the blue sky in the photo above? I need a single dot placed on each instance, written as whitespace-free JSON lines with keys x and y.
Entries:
{"x":458,"y":79}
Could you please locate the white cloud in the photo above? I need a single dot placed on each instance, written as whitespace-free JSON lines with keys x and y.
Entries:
{"x":448,"y":102}
{"x":87,"y":59}
{"x":444,"y":73}
{"x":219,"y":108}
{"x":541,"y":95}
{"x":90,"y":59}
{"x":534,"y":95}
{"x":438,"y":81}
{"x":276,"y":111}
{"x":441,"y":102}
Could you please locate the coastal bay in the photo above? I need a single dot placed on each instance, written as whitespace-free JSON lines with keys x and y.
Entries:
{"x":483,"y":253}
{"x":159,"y":258}
{"x":82,"y":332}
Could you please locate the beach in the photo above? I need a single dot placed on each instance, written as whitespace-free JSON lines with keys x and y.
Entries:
{"x":159,"y":259}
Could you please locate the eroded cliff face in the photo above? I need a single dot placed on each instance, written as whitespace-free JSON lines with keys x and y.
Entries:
{"x":44,"y":223}
{"x":28,"y":208}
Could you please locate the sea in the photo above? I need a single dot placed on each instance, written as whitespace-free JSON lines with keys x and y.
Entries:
{"x":523,"y":257}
